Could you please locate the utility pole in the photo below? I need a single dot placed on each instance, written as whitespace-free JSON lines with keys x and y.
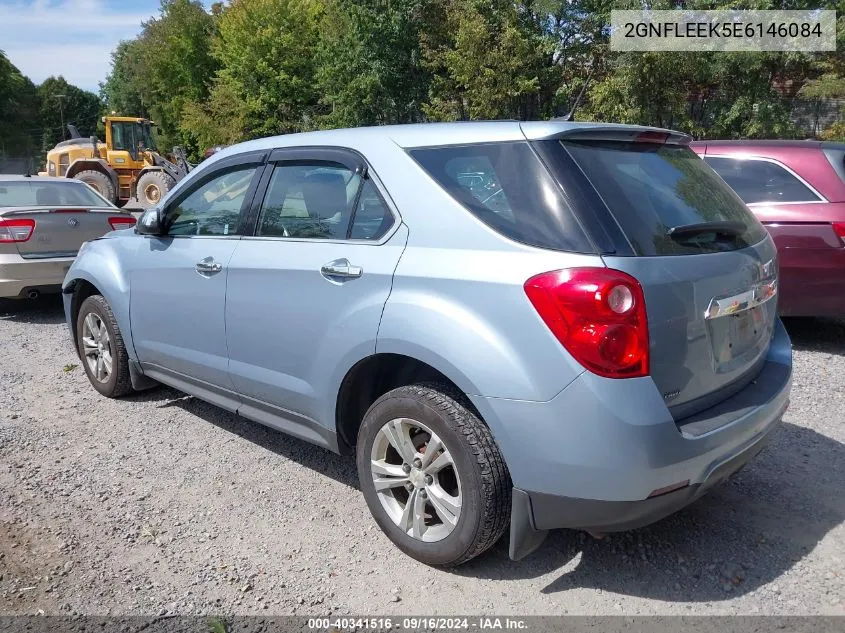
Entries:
{"x":61,"y":99}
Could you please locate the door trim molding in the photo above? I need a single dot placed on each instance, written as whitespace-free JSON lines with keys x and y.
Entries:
{"x":278,"y":418}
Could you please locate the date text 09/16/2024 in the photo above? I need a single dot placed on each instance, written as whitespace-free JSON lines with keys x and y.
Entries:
{"x":413,"y":623}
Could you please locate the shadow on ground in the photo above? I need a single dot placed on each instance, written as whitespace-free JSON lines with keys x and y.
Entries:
{"x":340,"y":468}
{"x":46,"y":309}
{"x":744,"y":534}
{"x":817,"y":335}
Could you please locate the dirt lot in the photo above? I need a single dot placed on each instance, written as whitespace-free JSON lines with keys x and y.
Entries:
{"x":160,"y":504}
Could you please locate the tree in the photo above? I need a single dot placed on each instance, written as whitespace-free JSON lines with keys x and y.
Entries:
{"x":61,"y":101}
{"x":266,"y":50}
{"x":18,"y":112}
{"x":370,"y":71}
{"x":123,"y":89}
{"x":489,"y":60}
{"x":166,"y":67}
{"x":175,"y":54}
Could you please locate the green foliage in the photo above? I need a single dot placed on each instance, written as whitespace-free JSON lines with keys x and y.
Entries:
{"x":267,"y":54}
{"x":370,"y":70}
{"x":123,"y":89}
{"x":18,"y":112}
{"x":488,"y":61}
{"x":168,"y":66}
{"x":59,"y":101}
{"x":250,"y":68}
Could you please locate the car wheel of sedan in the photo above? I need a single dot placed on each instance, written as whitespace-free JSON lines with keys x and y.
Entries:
{"x":432,"y":475}
{"x":101,"y":348}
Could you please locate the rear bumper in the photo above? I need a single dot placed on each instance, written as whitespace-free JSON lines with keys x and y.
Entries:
{"x":812,"y":282}
{"x":549,"y":511}
{"x":596,"y":456}
{"x":18,"y":275}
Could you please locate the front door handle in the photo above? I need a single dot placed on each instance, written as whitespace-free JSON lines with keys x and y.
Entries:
{"x":341,"y":268}
{"x":208,"y":265}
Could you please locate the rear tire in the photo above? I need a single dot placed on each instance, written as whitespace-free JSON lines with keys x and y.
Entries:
{"x":99,"y":181}
{"x":460,"y":494}
{"x":101,"y":348}
{"x":152,"y":187}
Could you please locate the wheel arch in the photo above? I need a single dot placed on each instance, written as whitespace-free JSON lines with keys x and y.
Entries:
{"x":373,"y":376}
{"x":97,"y":270}
{"x":147,"y":170}
{"x":96,"y":164}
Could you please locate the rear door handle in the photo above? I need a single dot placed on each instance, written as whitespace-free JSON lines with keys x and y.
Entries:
{"x":208,"y":265}
{"x":341,"y":268}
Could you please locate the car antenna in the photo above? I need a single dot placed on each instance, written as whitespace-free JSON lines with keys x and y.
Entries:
{"x":571,"y":113}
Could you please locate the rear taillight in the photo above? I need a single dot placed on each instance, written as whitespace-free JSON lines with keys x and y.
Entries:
{"x":839,"y":229}
{"x":599,"y":316}
{"x":121,"y":222}
{"x":14,"y":230}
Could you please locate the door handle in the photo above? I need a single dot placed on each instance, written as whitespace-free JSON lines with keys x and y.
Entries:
{"x":208,"y":265}
{"x":341,"y":268}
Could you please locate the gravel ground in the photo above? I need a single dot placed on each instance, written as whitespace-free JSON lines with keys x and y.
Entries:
{"x":160,"y":504}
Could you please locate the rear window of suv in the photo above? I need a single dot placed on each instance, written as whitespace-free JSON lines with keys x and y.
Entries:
{"x":651,"y":188}
{"x":507,"y":187}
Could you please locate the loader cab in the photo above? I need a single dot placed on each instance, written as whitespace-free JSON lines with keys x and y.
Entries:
{"x":126,"y":140}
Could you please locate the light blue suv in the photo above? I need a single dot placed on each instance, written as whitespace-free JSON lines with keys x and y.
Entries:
{"x":536,"y":325}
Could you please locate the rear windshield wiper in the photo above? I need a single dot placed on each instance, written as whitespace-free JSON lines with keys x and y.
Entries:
{"x":732,"y":228}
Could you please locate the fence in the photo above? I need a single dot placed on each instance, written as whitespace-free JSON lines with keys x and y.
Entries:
{"x":814,"y":116}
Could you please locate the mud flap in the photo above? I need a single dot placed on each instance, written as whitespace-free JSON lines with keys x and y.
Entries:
{"x":524,"y":538}
{"x":139,"y":381}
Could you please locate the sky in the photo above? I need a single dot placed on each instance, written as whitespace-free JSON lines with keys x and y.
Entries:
{"x":72,"y":38}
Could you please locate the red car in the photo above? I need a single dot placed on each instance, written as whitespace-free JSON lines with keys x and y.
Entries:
{"x":797,"y":190}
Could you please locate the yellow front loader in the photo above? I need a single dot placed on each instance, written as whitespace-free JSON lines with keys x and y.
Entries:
{"x":126,"y":166}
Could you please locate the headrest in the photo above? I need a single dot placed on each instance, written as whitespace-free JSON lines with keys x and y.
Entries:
{"x":324,"y":194}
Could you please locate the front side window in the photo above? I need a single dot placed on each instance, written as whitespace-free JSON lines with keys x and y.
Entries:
{"x":759,"y":181}
{"x":213,"y":208}
{"x":121,"y":136}
{"x":309,"y":200}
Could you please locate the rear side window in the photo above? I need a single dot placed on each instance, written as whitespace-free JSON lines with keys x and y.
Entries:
{"x":836,"y":158}
{"x":761,"y":180}
{"x":507,"y":187}
{"x":651,"y":188}
{"x":309,"y":200}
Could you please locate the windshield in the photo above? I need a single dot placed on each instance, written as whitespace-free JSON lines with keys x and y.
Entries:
{"x":42,"y":193}
{"x":651,"y":188}
{"x":129,"y":135}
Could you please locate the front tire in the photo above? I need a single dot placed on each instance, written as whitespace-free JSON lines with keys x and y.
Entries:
{"x":101,"y":348}
{"x":432,"y":475}
{"x":152,"y":187}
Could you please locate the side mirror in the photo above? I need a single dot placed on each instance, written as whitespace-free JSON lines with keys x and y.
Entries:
{"x":151,"y":222}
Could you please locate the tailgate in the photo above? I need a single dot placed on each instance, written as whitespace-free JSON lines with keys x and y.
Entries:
{"x":710,"y":320}
{"x":60,"y":232}
{"x":707,"y":268}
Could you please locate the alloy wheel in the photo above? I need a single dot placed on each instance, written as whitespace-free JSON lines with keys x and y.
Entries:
{"x":96,"y":347}
{"x":416,"y":479}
